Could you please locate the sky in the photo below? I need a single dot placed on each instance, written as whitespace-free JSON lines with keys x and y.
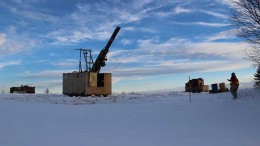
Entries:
{"x":161,"y":42}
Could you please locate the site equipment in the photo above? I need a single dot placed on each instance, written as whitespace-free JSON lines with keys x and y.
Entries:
{"x":218,"y":88}
{"x":194,"y":85}
{"x":22,"y":89}
{"x":88,"y":80}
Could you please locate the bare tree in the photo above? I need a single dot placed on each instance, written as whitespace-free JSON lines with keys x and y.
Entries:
{"x":246,"y":19}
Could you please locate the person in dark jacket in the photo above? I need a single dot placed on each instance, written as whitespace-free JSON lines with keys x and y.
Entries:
{"x":234,"y":84}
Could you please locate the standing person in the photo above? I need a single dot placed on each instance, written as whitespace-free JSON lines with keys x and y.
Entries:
{"x":234,"y":84}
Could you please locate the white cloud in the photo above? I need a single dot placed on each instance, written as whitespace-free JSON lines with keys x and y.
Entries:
{"x":201,"y":24}
{"x":215,"y":14}
{"x":9,"y":63}
{"x":102,"y":12}
{"x":209,"y":24}
{"x":98,"y":20}
{"x":37,"y":16}
{"x":28,"y":1}
{"x":175,"y":11}
{"x":140,"y":29}
{"x":219,"y":49}
{"x":66,"y":63}
{"x":46,"y":74}
{"x":127,"y":16}
{"x":123,"y":56}
{"x":123,"y":78}
{"x":124,"y":60}
{"x":12,"y":43}
{"x":77,"y":28}
{"x":126,"y":42}
{"x":151,"y":49}
{"x":149,"y":30}
{"x":71,"y":36}
{"x":178,"y":68}
{"x":129,"y":28}
{"x":48,"y":83}
{"x":141,"y":4}
{"x":228,"y":34}
{"x":24,"y":9}
{"x":179,"y":10}
{"x":52,"y":54}
{"x":2,"y":38}
{"x":178,"y":55}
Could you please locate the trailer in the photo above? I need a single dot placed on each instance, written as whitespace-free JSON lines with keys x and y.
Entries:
{"x":23,"y":89}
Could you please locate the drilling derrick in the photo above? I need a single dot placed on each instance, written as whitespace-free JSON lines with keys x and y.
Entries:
{"x":89,"y":81}
{"x":102,"y":57}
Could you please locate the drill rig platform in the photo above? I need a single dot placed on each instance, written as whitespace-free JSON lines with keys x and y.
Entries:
{"x":90,"y":81}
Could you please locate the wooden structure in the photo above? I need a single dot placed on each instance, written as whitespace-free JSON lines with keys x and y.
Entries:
{"x":87,"y":84}
{"x":90,"y":81}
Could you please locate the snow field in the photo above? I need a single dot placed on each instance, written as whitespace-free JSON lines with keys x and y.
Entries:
{"x":152,"y":119}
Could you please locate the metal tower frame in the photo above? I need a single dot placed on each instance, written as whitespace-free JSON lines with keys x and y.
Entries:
{"x":87,"y":59}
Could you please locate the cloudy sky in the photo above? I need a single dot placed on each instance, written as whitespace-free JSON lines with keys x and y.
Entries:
{"x":161,"y":42}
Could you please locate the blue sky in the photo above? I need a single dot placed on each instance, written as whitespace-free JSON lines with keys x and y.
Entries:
{"x":161,"y":42}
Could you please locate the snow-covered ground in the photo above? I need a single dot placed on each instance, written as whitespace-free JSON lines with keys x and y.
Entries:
{"x":148,"y":119}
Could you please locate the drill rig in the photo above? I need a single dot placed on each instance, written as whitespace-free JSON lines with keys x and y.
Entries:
{"x":89,"y":81}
